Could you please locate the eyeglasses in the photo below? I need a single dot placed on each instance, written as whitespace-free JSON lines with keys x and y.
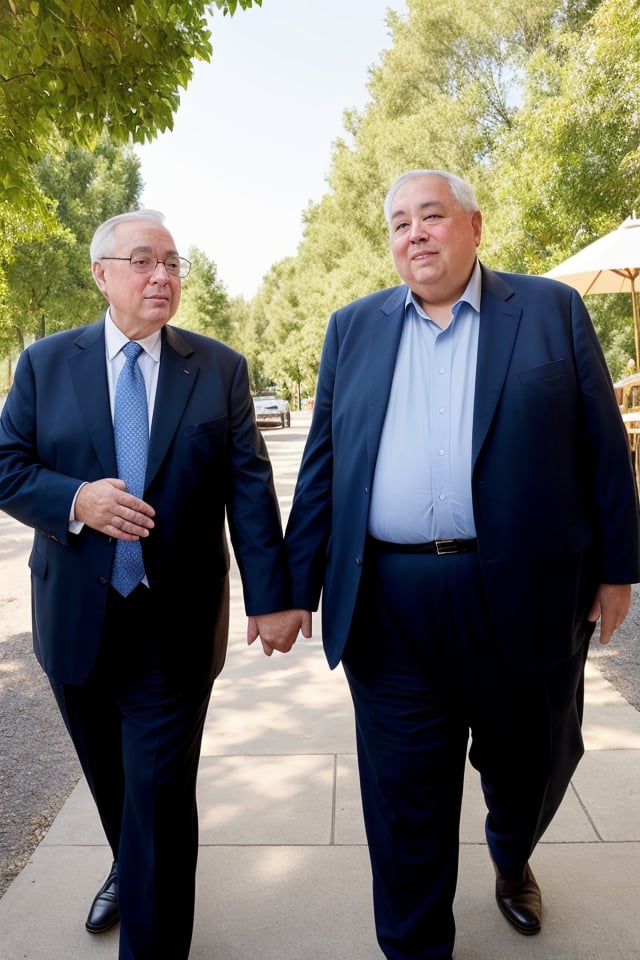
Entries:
{"x":143,"y":263}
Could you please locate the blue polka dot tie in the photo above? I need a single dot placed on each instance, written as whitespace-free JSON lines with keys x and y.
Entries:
{"x":131,"y":433}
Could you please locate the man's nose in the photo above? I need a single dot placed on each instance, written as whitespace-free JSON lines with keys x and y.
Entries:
{"x":418,"y":230}
{"x":160,"y":272}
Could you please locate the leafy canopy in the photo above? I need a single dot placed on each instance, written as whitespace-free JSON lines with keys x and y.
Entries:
{"x":77,"y":66}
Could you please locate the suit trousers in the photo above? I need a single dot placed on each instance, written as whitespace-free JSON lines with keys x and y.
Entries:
{"x":138,"y":736}
{"x":425,"y":672}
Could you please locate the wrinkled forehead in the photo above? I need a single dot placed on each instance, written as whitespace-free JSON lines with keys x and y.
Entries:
{"x":144,"y":235}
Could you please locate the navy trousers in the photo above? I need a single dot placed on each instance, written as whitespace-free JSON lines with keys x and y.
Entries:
{"x":138,"y":734}
{"x":425,"y":674}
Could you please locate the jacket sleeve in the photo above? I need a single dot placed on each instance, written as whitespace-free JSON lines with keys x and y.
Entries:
{"x":252,"y":507}
{"x":31,"y":488}
{"x":307,"y":536}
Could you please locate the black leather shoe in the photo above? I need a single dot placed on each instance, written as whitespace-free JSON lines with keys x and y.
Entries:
{"x":104,"y":910}
{"x":520,"y":901}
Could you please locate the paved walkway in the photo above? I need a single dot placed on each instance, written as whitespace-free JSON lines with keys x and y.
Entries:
{"x":283,"y":871}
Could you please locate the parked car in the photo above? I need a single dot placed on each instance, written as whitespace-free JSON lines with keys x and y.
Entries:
{"x":272,"y":411}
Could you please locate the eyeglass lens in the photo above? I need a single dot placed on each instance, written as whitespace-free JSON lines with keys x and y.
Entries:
{"x":176,"y":266}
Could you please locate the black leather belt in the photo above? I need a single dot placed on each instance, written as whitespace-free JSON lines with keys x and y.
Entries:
{"x":439,"y":547}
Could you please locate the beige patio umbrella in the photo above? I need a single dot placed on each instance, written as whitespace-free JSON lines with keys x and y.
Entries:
{"x":608,"y":265}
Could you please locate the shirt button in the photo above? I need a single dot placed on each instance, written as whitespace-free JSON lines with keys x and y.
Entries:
{"x":442,"y":497}
{"x":441,"y":452}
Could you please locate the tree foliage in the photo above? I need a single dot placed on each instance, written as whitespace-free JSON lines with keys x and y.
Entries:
{"x":48,"y":281}
{"x":204,"y":305}
{"x":71,"y":73}
{"x":75,"y":67}
{"x":537,"y":106}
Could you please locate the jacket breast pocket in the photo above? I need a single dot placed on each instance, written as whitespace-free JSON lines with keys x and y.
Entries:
{"x":206,"y":430}
{"x":555,"y":370}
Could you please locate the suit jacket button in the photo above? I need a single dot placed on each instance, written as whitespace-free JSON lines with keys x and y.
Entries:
{"x":103,"y":581}
{"x":358,"y":561}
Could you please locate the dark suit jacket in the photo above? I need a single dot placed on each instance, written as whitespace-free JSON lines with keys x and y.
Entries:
{"x":553,"y":495}
{"x":206,"y":459}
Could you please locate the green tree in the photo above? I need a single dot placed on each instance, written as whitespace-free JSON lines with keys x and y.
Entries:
{"x":74,"y":67}
{"x":204,"y":305}
{"x":536,"y":106}
{"x":569,"y":169}
{"x":71,"y":69}
{"x":48,"y":282}
{"x":441,"y":96}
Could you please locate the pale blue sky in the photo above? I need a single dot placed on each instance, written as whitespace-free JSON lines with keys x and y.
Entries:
{"x":251,"y":144}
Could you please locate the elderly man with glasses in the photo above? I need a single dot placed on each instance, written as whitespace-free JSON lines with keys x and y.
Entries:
{"x":125,"y":445}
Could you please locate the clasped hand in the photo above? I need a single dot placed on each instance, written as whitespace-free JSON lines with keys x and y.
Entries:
{"x":279,"y":631}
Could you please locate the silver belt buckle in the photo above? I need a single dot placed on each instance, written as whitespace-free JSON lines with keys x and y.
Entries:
{"x":443,"y":547}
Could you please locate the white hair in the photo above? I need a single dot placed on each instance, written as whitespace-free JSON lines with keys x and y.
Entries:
{"x":102,"y":241}
{"x":461,"y":190}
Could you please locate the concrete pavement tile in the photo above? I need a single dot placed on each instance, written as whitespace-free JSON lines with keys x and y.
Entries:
{"x":77,"y":823}
{"x":570,"y":825}
{"x":284,"y":903}
{"x":349,"y":825}
{"x":288,"y":903}
{"x":279,"y":705}
{"x":266,"y":800}
{"x":609,"y":727}
{"x":590,"y":906}
{"x":43,"y":912}
{"x":608,"y":785}
{"x":609,"y":720}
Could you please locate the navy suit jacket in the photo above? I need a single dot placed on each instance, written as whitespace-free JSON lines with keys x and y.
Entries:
{"x":206,"y":461}
{"x":554,"y":498}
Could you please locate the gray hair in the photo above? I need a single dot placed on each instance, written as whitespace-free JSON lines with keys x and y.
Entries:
{"x":461,"y":190}
{"x":102,"y":241}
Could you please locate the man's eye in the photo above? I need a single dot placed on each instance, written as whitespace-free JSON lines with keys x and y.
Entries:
{"x":401,"y":226}
{"x":172,"y":263}
{"x":140,"y":261}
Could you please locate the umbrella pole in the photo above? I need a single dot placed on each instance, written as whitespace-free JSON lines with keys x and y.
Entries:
{"x":636,"y":324}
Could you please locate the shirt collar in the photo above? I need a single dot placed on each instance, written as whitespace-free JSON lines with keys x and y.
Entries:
{"x":471,"y":294}
{"x":115,"y":340}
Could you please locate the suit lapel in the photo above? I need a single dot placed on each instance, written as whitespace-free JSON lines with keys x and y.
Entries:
{"x":382,"y":347}
{"x":499,"y":322}
{"x":88,"y":372}
{"x":176,"y":380}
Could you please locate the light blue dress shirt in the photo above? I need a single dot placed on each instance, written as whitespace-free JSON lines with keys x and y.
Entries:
{"x":422,"y":483}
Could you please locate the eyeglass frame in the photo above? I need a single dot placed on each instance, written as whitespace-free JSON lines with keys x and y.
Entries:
{"x":184,"y":264}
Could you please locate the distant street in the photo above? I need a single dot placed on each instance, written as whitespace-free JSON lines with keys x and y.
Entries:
{"x":37,"y":764}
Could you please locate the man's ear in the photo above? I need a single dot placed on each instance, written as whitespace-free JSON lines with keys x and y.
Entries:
{"x":476,"y":222}
{"x":98,"y":275}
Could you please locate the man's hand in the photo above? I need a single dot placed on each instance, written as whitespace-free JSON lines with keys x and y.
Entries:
{"x":106,"y":506}
{"x":610,"y":606}
{"x":279,"y":631}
